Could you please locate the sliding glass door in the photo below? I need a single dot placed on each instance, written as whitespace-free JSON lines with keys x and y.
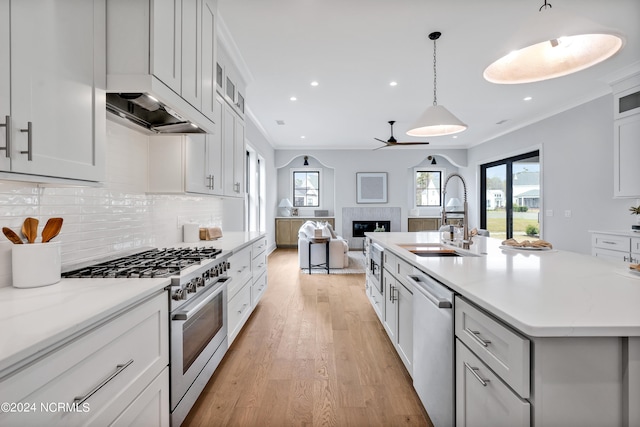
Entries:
{"x":510,"y":197}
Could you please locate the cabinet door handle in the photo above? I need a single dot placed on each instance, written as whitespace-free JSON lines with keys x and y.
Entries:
{"x":7,"y":129}
{"x":29,"y":131}
{"x":475,"y":374}
{"x":608,"y":242}
{"x":119,"y":368}
{"x":476,"y":336}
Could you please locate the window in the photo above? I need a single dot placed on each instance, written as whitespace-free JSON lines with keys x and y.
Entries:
{"x":306,"y":189}
{"x":511,"y":193}
{"x":428,"y":188}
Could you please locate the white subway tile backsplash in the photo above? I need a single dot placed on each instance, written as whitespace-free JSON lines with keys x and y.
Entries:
{"x":100,"y":221}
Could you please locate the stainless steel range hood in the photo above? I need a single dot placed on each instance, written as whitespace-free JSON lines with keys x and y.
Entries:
{"x":145,"y":110}
{"x":144,"y":103}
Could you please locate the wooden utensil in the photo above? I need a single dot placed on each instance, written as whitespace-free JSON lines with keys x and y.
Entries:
{"x":51,"y":229}
{"x":30,"y":229}
{"x":12,"y":235}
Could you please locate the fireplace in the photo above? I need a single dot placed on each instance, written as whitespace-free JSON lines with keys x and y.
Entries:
{"x":361,"y":227}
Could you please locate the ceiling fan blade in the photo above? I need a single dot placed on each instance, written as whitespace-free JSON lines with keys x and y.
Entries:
{"x":378,"y":139}
{"x":384,"y":146}
{"x":411,"y":143}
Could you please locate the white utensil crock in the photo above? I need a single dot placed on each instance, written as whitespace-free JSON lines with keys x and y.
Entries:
{"x":191,"y":233}
{"x":35,"y":264}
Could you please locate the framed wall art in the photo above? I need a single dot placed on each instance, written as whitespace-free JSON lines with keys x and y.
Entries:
{"x":371,"y":187}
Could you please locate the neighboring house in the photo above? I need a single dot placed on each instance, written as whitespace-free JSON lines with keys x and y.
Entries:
{"x":495,"y":199}
{"x":526,"y":189}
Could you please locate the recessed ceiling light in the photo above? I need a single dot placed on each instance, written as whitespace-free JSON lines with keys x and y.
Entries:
{"x":455,"y":136}
{"x":293,"y":98}
{"x":314,"y":83}
{"x":393,"y":84}
{"x":527,"y":98}
{"x":302,"y":137}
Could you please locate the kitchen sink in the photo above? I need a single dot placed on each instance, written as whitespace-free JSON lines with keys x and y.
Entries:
{"x":430,"y":250}
{"x":435,"y":253}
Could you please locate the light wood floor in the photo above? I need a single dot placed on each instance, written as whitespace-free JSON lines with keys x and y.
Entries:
{"x":313,"y":353}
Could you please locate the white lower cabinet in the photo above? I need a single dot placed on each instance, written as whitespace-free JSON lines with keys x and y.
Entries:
{"x":114,"y":373}
{"x":398,"y":312}
{"x":482,"y":399}
{"x":616,"y":247}
{"x":248,"y":273}
{"x":258,"y":270}
{"x":239,"y":310}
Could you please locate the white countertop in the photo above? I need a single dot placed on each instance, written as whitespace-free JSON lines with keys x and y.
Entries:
{"x":541,"y":293}
{"x":36,"y":320}
{"x":627,"y":233}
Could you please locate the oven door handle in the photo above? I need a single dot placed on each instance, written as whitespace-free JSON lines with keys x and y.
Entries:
{"x":189,"y":311}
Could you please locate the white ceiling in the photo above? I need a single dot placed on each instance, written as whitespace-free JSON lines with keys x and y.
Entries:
{"x":355,"y":48}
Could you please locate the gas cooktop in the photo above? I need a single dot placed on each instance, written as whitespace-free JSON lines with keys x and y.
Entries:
{"x":153,"y":263}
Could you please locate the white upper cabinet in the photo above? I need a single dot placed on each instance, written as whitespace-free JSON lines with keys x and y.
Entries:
{"x":54,"y":91}
{"x":234,"y":152}
{"x":5,"y":87}
{"x":166,"y":36}
{"x":626,"y":137}
{"x":209,"y":108}
{"x":191,"y":81}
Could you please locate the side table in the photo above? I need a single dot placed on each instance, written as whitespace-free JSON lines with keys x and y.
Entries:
{"x":319,"y":241}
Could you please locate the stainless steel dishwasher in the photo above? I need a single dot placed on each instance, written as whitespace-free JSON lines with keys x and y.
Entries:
{"x":433,"y":358}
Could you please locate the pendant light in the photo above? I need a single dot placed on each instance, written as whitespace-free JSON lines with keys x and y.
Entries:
{"x":556,"y":43}
{"x":436,"y":120}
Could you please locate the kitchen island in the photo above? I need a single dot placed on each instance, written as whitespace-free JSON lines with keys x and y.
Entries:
{"x":572,"y":320}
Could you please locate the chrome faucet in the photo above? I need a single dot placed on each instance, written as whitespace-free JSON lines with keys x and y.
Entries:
{"x":465,"y":213}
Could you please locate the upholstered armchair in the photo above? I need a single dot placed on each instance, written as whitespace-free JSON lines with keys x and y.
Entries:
{"x":338,"y":247}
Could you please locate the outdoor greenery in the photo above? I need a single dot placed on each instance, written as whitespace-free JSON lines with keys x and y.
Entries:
{"x":518,"y":208}
{"x":532,"y":230}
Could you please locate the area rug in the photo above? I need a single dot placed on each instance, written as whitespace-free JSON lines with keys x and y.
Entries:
{"x":356,"y":266}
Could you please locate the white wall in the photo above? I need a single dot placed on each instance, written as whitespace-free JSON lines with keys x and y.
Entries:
{"x":577,"y":172}
{"x":397,"y":162}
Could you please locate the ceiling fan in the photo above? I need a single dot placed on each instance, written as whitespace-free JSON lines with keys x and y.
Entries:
{"x":392,"y":141}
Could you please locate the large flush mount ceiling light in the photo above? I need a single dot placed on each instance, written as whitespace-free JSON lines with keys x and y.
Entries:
{"x":436,"y":120}
{"x":556,"y":43}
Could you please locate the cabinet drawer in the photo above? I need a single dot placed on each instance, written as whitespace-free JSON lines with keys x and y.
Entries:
{"x":238,"y":311}
{"x":635,"y":246}
{"x":390,"y":262}
{"x":614,"y":243}
{"x":257,"y":289}
{"x":404,"y":269}
{"x":259,"y":246}
{"x":259,"y":265}
{"x":609,"y":254}
{"x":505,"y":351}
{"x":121,"y":357}
{"x":239,"y":270}
{"x":482,"y":399}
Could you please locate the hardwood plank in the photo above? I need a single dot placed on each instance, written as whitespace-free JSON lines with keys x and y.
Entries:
{"x":313,"y":353}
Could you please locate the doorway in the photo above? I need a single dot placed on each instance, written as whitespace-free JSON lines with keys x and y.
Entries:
{"x":510,"y":194}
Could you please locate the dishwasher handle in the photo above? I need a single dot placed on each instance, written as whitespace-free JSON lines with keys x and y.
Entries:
{"x":424,"y":289}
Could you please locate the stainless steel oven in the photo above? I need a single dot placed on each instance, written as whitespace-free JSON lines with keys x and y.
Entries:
{"x":198,"y":330}
{"x":197,"y":311}
{"x":374,"y":272}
